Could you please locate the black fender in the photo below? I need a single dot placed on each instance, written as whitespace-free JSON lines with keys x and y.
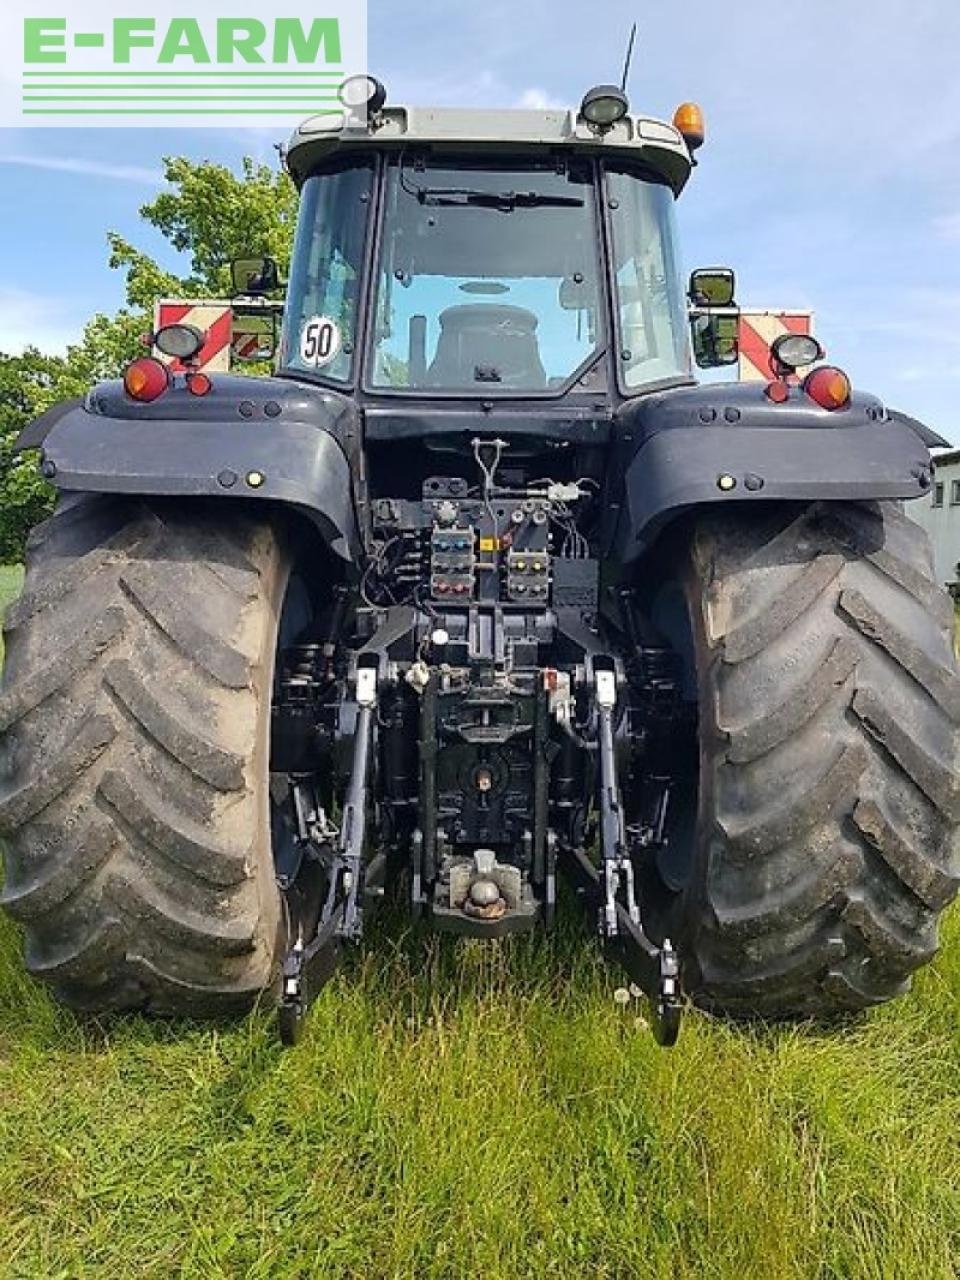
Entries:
{"x":260,"y":439}
{"x":703,"y":446}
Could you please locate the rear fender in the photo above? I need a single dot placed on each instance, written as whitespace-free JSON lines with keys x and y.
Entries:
{"x":681,"y":450}
{"x":255,"y":439}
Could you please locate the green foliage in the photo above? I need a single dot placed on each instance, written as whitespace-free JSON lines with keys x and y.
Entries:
{"x":207,"y":213}
{"x":29,"y":384}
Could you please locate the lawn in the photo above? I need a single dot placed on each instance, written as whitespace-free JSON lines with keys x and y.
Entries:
{"x":464,"y":1110}
{"x":10,"y":579}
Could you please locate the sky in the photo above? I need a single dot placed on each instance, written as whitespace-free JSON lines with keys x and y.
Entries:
{"x":830,"y":179}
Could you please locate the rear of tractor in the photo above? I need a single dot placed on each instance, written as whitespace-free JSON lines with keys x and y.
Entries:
{"x":479,"y":591}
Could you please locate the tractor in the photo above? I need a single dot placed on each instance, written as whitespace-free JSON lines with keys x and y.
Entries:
{"x":482,"y":591}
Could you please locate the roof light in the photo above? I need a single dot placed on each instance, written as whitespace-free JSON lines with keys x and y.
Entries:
{"x":604,"y":106}
{"x":180,"y":341}
{"x":363,"y":94}
{"x":146,"y":379}
{"x":688,"y":121}
{"x":791,"y":351}
{"x":828,"y":387}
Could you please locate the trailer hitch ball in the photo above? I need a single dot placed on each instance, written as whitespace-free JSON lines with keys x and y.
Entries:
{"x":484,"y":893}
{"x":484,"y":899}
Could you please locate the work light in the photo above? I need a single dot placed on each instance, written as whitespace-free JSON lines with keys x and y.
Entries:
{"x":604,"y":106}
{"x":363,"y":93}
{"x":181,"y":341}
{"x":793,"y":350}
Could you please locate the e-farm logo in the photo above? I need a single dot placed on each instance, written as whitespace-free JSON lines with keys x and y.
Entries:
{"x":113,"y":64}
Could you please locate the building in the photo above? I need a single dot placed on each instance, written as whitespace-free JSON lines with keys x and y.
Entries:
{"x":939,"y":514}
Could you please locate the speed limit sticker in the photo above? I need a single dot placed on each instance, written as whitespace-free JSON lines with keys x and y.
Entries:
{"x":320,"y":341}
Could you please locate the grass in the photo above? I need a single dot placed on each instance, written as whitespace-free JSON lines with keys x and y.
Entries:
{"x":462,"y":1110}
{"x":10,"y":578}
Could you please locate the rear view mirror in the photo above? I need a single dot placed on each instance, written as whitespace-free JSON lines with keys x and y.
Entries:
{"x":573,"y":293}
{"x":254,"y":275}
{"x":713,"y":287}
{"x":254,"y":335}
{"x":715,"y":339}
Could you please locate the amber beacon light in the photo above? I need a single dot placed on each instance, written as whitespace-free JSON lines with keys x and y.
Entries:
{"x":688,"y":120}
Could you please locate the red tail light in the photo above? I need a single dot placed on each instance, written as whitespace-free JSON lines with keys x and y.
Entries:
{"x":828,"y":387}
{"x":146,"y":379}
{"x":198,"y":384}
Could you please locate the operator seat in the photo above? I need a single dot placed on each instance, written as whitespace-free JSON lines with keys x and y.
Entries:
{"x":487,"y":343}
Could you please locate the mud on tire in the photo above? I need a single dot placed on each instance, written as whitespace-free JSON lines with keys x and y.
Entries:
{"x":830,"y":769}
{"x":134,"y":732}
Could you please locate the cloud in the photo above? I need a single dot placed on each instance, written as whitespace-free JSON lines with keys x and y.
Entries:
{"x":88,"y":168}
{"x":538,"y":100}
{"x":28,"y":320}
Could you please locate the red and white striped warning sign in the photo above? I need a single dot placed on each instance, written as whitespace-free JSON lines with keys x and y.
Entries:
{"x":215,"y":319}
{"x":247,"y":345}
{"x":758,"y":331}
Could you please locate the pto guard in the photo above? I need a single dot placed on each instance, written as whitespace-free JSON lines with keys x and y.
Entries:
{"x":698,"y":448}
{"x":149,"y":450}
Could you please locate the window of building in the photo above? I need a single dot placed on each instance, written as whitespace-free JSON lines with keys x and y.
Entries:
{"x":955,"y":493}
{"x":938,"y":495}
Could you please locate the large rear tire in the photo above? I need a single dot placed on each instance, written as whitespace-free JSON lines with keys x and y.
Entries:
{"x":830,"y":764}
{"x":134,"y":714}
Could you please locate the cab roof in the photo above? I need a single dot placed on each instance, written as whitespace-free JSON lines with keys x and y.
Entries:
{"x":323,"y":137}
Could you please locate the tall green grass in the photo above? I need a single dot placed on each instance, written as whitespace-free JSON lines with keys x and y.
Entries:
{"x":475,"y":1110}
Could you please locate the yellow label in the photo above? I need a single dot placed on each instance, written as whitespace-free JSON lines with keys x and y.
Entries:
{"x":488,"y":544}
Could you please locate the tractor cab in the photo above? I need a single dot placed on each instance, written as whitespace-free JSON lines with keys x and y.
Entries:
{"x":446,"y":254}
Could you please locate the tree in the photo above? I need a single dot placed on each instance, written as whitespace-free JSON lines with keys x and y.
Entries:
{"x":208,"y":214}
{"x":28,"y":386}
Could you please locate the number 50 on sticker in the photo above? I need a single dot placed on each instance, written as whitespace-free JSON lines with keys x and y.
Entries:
{"x":320,"y":341}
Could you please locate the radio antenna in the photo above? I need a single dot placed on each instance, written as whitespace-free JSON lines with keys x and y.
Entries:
{"x":629,"y":58}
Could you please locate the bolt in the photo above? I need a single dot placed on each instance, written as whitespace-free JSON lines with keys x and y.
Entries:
{"x":245,"y":408}
{"x":271,"y":409}
{"x":255,"y":479}
{"x":726,"y":483}
{"x":707,"y":415}
{"x":752,"y":482}
{"x":227,"y":479}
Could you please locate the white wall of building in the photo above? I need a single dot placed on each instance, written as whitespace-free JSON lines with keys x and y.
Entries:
{"x":939,"y":514}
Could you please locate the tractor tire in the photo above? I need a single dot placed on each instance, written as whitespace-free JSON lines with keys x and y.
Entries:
{"x":829,"y":759}
{"x":134,"y":769}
